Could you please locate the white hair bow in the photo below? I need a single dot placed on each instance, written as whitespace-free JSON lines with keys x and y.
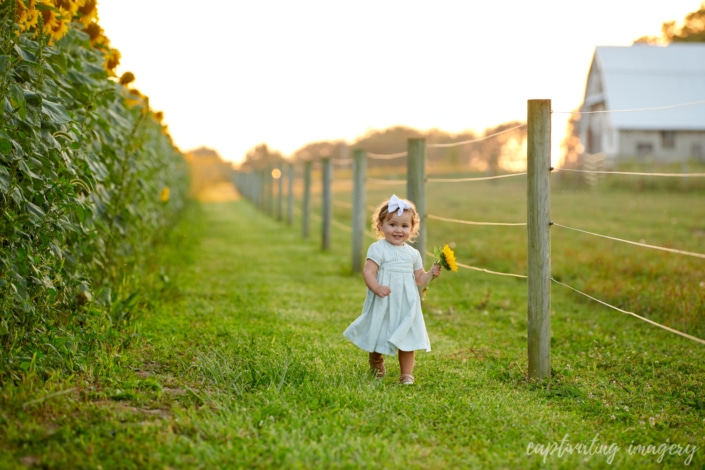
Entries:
{"x":396,"y":204}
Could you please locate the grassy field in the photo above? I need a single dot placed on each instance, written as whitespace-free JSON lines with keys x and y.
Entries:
{"x":238,"y":359}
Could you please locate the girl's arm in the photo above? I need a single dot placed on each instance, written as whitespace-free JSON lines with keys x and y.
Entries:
{"x":369,"y":274}
{"x":424,"y":277}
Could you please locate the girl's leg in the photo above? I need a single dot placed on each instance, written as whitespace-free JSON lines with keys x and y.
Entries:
{"x":406,"y":362}
{"x":406,"y":366}
{"x":377,"y":364}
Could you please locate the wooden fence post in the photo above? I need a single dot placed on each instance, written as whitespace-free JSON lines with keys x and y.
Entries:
{"x":416,"y":187}
{"x":261,"y":189}
{"x":290,"y":198}
{"x":251,"y":185}
{"x":270,"y":190}
{"x":359,"y":210}
{"x":306,"y":211}
{"x":280,"y":193}
{"x":326,"y":203}
{"x":539,"y":238}
{"x":265,"y":189}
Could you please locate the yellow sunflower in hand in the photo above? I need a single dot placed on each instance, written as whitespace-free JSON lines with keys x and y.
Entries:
{"x":445,"y":258}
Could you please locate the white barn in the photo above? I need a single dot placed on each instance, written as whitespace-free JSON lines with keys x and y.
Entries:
{"x":626,"y":84}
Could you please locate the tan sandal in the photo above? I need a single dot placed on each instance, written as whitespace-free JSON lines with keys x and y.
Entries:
{"x":377,"y":365}
{"x":406,"y":379}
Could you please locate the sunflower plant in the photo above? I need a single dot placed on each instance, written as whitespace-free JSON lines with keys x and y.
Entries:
{"x":82,"y":164}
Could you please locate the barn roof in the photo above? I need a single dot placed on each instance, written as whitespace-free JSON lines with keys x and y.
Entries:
{"x":646,"y":76}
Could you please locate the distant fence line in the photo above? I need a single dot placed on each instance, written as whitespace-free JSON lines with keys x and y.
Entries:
{"x":258,"y":188}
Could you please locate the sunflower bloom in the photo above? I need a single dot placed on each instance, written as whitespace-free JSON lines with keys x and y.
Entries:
{"x":61,"y":27}
{"x":68,"y":8}
{"x":49,"y":17}
{"x":112,"y":60}
{"x":445,"y":258}
{"x":449,"y":258}
{"x":95,"y":34}
{"x":53,"y":22}
{"x":22,"y":15}
{"x":165,"y":194}
{"x":87,"y":12}
{"x":30,"y":17}
{"x":21,"y":11}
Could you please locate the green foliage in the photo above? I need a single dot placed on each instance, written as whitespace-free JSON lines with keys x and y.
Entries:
{"x":691,"y":30}
{"x":83,"y":164}
{"x":241,"y":363}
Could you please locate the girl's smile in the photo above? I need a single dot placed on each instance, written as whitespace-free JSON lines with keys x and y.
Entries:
{"x":397,"y":228}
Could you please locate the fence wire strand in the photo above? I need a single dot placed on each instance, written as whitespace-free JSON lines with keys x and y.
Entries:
{"x":473,"y":268}
{"x":385,"y":156}
{"x":671,"y":330}
{"x":465,"y":142}
{"x":390,"y":156}
{"x":633,"y":173}
{"x":341,"y":226}
{"x":521,"y":276}
{"x":381,"y":181}
{"x":479,"y":178}
{"x":468,"y":222}
{"x":644,"y":245}
{"x":654,"y":108}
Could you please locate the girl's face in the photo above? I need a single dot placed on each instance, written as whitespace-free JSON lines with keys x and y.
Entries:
{"x":397,"y":228}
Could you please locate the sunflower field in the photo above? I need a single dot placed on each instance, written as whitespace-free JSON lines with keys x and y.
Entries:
{"x":89,"y":180}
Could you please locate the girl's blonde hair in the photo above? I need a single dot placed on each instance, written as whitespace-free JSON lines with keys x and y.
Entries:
{"x":382,"y":213}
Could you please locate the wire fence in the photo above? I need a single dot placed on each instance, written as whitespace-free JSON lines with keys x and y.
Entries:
{"x":443,"y":218}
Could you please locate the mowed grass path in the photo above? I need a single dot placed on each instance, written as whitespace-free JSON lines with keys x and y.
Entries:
{"x":240,"y":362}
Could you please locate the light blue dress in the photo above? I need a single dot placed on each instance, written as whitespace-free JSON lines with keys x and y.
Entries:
{"x":395,"y":322}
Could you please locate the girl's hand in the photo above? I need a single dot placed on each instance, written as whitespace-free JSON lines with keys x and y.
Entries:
{"x":435,"y":270}
{"x":383,"y":291}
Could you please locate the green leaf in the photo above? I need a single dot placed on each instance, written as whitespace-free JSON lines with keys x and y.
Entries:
{"x":19,"y":286}
{"x":26,"y":55}
{"x":4,"y":64}
{"x":35,"y":210}
{"x":98,"y":169}
{"x":56,"y":251}
{"x":32,"y":99}
{"x":51,"y":141}
{"x":17,"y":99}
{"x":4,"y":180}
{"x":59,"y":63}
{"x":95,"y":69}
{"x":27,"y":170}
{"x":82,"y":78}
{"x":5,"y":146}
{"x":16,"y":195}
{"x":56,"y":112}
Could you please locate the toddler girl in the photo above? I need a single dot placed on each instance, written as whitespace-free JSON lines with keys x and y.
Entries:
{"x":391,"y":321}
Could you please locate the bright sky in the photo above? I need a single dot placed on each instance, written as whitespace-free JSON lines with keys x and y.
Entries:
{"x":231,"y":74}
